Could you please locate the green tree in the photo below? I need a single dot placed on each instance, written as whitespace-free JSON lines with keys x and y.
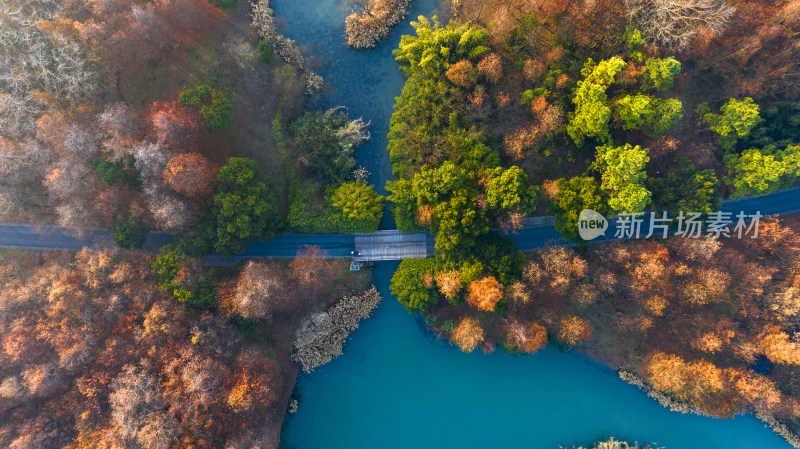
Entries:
{"x":591,"y":116}
{"x":603,"y":72}
{"x":758,"y":172}
{"x":661,"y":72}
{"x":120,"y":171}
{"x":459,"y":222}
{"x":575,"y":195}
{"x":685,"y":189}
{"x":167,"y":263}
{"x":410,"y":287}
{"x":510,"y":190}
{"x":242,"y":209}
{"x":171,"y":259}
{"x":735,"y":122}
{"x":214,"y":106}
{"x":431,"y":185}
{"x":655,"y":116}
{"x":358,"y":201}
{"x":634,"y":42}
{"x":404,"y":204}
{"x":623,"y":175}
{"x":264,"y":50}
{"x":130,"y":233}
{"x":436,"y":47}
{"x":327,"y":142}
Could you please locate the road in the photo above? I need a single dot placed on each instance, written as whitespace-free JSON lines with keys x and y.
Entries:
{"x":538,"y":235}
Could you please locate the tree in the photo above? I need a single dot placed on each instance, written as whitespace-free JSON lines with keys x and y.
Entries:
{"x":484,"y":294}
{"x":572,"y":330}
{"x":408,"y":286}
{"x":687,"y":381}
{"x":130,"y":233}
{"x":436,"y":47}
{"x":526,"y":336}
{"x":661,"y":72}
{"x":119,"y":171}
{"x":575,"y":195}
{"x":260,"y":292}
{"x":778,"y":347}
{"x":491,"y":67}
{"x":509,"y":190}
{"x":359,"y":202}
{"x":684,"y":188}
{"x":138,"y":410}
{"x":243,"y":209}
{"x":191,"y":175}
{"x":313,"y":271}
{"x":327,"y":141}
{"x":674,"y":23}
{"x":468,"y":334}
{"x":655,"y":116}
{"x":735,"y":122}
{"x":459,"y":222}
{"x":176,"y":125}
{"x":623,"y":175}
{"x":170,"y":212}
{"x":214,"y":106}
{"x":591,"y":115}
{"x":449,"y":283}
{"x":758,"y":172}
{"x":462,"y":74}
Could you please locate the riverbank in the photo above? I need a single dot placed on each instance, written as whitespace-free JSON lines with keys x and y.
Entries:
{"x":682,"y":407}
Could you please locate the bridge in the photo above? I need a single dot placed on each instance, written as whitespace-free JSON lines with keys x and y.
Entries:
{"x":537,"y":233}
{"x":393,"y":245}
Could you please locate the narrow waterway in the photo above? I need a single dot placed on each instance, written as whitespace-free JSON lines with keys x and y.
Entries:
{"x":395,"y":387}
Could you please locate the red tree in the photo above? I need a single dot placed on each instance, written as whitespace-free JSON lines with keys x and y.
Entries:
{"x":177,"y":126}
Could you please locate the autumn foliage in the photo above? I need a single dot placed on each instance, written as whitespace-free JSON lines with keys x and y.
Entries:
{"x":179,"y":127}
{"x":468,"y":334}
{"x":485,"y":293}
{"x":96,"y":353}
{"x":191,"y":175}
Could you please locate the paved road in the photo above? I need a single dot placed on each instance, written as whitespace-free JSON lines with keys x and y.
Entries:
{"x":539,"y":234}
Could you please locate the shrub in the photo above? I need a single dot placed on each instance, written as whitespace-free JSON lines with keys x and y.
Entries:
{"x":116,"y":172}
{"x":130,"y":233}
{"x":264,"y":50}
{"x":214,"y":106}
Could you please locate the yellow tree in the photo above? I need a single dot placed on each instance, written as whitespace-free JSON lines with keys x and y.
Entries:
{"x":468,"y":334}
{"x":449,"y":283}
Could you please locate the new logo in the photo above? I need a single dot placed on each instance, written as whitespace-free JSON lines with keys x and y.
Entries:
{"x":591,"y":224}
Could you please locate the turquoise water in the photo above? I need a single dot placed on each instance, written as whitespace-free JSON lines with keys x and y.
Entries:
{"x":397,"y":388}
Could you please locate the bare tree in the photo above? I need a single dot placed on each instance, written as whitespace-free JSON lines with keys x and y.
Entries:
{"x":674,"y":23}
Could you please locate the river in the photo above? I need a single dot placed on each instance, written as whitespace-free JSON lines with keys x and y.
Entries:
{"x":396,"y":387}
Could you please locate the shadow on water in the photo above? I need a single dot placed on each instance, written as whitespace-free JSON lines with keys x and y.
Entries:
{"x":395,"y":387}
